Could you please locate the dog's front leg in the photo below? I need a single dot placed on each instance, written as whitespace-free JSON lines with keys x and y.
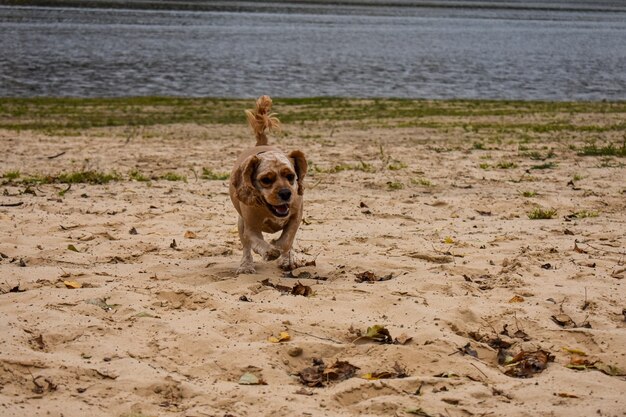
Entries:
{"x":259,"y":245}
{"x":247,"y":264}
{"x":287,"y":259}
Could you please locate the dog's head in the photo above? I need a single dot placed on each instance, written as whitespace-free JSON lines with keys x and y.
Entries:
{"x":271,"y":179}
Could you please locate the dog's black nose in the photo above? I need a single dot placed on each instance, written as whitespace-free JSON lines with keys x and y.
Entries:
{"x":285,"y":194}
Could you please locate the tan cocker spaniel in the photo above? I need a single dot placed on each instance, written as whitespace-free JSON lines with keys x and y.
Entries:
{"x":266,"y":187}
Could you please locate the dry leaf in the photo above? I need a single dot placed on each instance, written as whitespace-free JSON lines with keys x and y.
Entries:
{"x":340,"y":371}
{"x":563,"y":320}
{"x":574,"y":351}
{"x":283,"y":336}
{"x":526,"y":364}
{"x":303,"y":290}
{"x":318,"y":375}
{"x":468,"y":350}
{"x":249,"y":378}
{"x":566,"y":395}
{"x":190,"y":235}
{"x":377,"y":333}
{"x":517,"y":299}
{"x":369,"y":277}
{"x":72,"y":248}
{"x":72,"y":284}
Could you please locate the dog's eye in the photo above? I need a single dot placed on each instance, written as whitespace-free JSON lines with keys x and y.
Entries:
{"x":291,"y":177}
{"x":266,"y":181}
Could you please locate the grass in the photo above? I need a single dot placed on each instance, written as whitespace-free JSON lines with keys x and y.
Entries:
{"x":529,"y":194}
{"x":88,"y":177}
{"x":506,"y":165}
{"x":361,"y":166}
{"x":97,"y":177}
{"x":583,"y":214}
{"x":172,"y":176}
{"x":74,"y":114}
{"x":547,"y":165}
{"x":542,"y":214}
{"x":607,"y":150}
{"x":394,"y":185}
{"x":11,"y":175}
{"x":396,"y":166}
{"x":422,"y":181}
{"x":208,"y":174}
{"x":577,"y":177}
{"x":538,"y":156}
{"x":78,"y":177}
{"x":138,"y":176}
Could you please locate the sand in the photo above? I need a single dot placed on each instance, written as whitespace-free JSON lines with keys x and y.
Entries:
{"x":161,"y":329}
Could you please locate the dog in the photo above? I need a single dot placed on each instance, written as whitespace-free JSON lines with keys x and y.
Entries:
{"x":266,"y":188}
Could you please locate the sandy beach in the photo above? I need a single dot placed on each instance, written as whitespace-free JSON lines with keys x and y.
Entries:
{"x":120,"y":299}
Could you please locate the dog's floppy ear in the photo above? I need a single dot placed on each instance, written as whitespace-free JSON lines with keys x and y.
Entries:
{"x":301,"y":166}
{"x":242,"y":180}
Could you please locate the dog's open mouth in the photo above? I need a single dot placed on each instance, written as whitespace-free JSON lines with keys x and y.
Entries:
{"x":280,"y":210}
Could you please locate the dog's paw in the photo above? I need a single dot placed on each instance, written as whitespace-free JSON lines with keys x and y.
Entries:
{"x":287,"y":262}
{"x":271,"y":254}
{"x":246,"y":269}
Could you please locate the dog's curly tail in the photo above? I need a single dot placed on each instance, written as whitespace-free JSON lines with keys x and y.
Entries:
{"x":261,"y":120}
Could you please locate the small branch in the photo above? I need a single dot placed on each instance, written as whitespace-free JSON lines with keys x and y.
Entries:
{"x":57,"y":155}
{"x":479,"y":370}
{"x":602,"y":250}
{"x":11,"y":204}
{"x":317,"y":337}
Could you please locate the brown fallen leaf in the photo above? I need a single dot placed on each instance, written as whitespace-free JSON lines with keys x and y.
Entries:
{"x":565,"y":395}
{"x":577,"y":249}
{"x":526,"y":364}
{"x":517,"y":299}
{"x":282,"y":288}
{"x":564,"y":321}
{"x":298,"y":289}
{"x":190,"y":235}
{"x":318,"y":375}
{"x":339,"y":371}
{"x":370,"y":277}
{"x":303,"y":290}
{"x":72,"y":284}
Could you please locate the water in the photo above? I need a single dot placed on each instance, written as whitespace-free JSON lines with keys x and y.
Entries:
{"x":562,"y":53}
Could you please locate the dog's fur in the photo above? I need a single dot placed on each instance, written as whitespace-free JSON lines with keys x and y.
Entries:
{"x":266,"y":187}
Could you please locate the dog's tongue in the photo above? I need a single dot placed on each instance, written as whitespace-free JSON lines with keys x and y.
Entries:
{"x":282,"y":209}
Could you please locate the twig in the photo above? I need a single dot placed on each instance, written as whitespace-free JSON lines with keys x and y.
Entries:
{"x":316,"y":184}
{"x":11,"y":204}
{"x":601,"y":250}
{"x":317,"y":337}
{"x":57,"y":155}
{"x":479,"y":370}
